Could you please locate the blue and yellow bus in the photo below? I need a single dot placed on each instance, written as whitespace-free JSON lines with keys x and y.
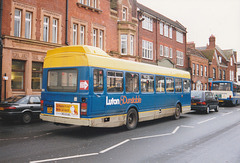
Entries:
{"x":228,"y":92}
{"x":83,"y":85}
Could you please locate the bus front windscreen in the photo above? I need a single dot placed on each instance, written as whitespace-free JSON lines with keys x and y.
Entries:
{"x":221,"y":87}
{"x":62,"y":80}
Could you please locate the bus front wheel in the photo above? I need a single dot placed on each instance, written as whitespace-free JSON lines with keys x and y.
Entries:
{"x":132,"y":119}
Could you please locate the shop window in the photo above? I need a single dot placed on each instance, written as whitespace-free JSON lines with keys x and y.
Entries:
{"x":37,"y":69}
{"x":18,"y":75}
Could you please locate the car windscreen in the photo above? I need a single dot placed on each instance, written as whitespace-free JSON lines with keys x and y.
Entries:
{"x":62,"y":80}
{"x":196,"y":94}
{"x":221,"y":87}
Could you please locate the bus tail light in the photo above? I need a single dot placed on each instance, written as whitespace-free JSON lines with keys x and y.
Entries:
{"x":83,"y":108}
{"x":41,"y":105}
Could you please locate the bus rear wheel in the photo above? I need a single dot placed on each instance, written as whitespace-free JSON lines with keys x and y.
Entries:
{"x":132,"y":119}
{"x":177,"y":112}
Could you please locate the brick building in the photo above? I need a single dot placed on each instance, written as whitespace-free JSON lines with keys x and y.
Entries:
{"x":221,"y":64}
{"x":124,"y":29}
{"x":162,"y":41}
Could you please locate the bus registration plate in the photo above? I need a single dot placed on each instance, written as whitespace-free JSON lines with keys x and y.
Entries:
{"x":49,"y":109}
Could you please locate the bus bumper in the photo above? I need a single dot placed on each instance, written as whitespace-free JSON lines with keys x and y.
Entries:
{"x":111,"y":121}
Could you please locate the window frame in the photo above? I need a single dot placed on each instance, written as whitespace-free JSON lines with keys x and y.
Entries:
{"x":21,"y":71}
{"x":137,"y":84}
{"x":41,"y":77}
{"x":99,"y":81}
{"x":55,"y":30}
{"x":18,"y":19}
{"x":122,"y":77}
{"x":150,"y":78}
{"x":124,"y":44}
{"x":28,"y":34}
{"x":156,"y":82}
{"x":46,"y":28}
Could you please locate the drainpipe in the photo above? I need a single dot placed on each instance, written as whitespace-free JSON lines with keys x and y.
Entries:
{"x":1,"y":49}
{"x":66,"y":32}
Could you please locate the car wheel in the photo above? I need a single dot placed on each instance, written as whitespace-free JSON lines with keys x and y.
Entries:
{"x":177,"y":112}
{"x":216,"y":110}
{"x":26,"y":117}
{"x":132,"y":119}
{"x":207,"y":110}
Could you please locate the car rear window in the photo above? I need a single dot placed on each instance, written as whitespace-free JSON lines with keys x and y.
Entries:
{"x":15,"y":99}
{"x":196,"y":94}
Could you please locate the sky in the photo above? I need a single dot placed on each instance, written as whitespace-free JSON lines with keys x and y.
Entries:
{"x":204,"y":18}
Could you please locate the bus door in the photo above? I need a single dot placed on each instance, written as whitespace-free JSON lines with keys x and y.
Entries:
{"x":98,"y":98}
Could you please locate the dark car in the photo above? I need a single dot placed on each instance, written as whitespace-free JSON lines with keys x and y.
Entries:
{"x":21,"y":107}
{"x":204,"y":101}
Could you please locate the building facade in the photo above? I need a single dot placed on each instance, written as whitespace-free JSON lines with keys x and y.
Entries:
{"x":220,"y":64}
{"x":123,"y":28}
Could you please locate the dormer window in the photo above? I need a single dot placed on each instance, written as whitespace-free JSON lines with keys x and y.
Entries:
{"x":220,"y":59}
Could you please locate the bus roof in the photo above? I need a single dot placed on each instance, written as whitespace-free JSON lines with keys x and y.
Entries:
{"x":75,"y":56}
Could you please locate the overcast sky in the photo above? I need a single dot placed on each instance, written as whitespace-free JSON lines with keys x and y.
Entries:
{"x":202,"y":18}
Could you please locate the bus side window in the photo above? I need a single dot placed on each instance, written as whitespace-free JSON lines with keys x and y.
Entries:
{"x":114,"y":81}
{"x":132,"y":82}
{"x":147,"y":83}
{"x":160,"y":84}
{"x":178,"y":85}
{"x":170,"y":84}
{"x":186,"y":85}
{"x":98,"y":80}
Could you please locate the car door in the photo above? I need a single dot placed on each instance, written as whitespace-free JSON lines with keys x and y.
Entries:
{"x":34,"y":104}
{"x":210,"y":99}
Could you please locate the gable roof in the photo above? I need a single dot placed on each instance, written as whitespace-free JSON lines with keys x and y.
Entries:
{"x":208,"y":54}
{"x":195,"y":52}
{"x":155,"y":14}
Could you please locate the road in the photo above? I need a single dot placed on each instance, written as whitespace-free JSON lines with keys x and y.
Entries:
{"x":195,"y":137}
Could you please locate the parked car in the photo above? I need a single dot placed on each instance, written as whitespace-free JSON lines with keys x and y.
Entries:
{"x":204,"y":101}
{"x":21,"y":107}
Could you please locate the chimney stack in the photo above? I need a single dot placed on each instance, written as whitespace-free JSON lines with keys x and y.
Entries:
{"x":212,"y":40}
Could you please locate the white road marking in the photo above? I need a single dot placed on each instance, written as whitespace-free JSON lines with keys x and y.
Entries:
{"x":227,"y":113}
{"x":238,"y":110}
{"x":174,"y":131}
{"x":115,"y":146}
{"x":152,"y":136}
{"x":187,"y":126}
{"x":207,"y":120}
{"x":64,"y":158}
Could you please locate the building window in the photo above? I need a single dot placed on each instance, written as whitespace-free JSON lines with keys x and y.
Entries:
{"x":205,"y":70}
{"x":193,"y":69}
{"x":88,"y":3}
{"x":82,"y":35}
{"x":95,"y":3}
{"x":161,"y":28}
{"x":179,"y":58}
{"x":220,"y":59}
{"x":101,"y":39}
{"x":45,"y":28}
{"x":147,"y":49}
{"x":214,"y":73}
{"x":231,"y":61}
{"x":75,"y":29}
{"x":197,"y":70}
{"x":170,"y":32}
{"x":124,"y":14}
{"x":95,"y":37}
{"x":28,"y":25}
{"x":220,"y":74}
{"x":205,"y":88}
{"x":18,"y":75}
{"x":37,"y":69}
{"x":161,"y":50}
{"x":171,"y":52}
{"x":201,"y":70}
{"x":54,"y":31}
{"x":166,"y":51}
{"x":124,"y":44}
{"x":82,"y":1}
{"x":179,"y":37}
{"x":193,"y":86}
{"x":224,"y":75}
{"x":131,"y":44}
{"x":147,"y":23}
{"x":147,"y":83}
{"x":165,"y":30}
{"x":17,"y":23}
